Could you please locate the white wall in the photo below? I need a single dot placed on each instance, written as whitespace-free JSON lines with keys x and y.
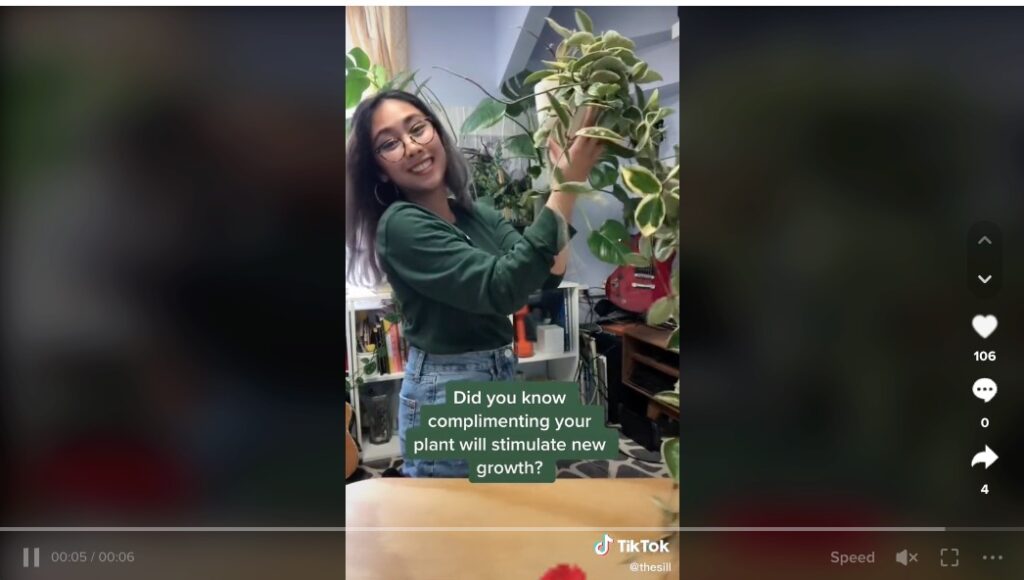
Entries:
{"x":459,"y":38}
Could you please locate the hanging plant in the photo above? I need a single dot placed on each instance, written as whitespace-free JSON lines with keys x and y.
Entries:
{"x":602,"y":71}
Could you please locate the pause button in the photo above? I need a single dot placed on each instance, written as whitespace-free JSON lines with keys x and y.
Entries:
{"x":25,"y":558}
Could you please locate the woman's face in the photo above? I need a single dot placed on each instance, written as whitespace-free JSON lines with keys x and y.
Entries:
{"x":397,"y":124}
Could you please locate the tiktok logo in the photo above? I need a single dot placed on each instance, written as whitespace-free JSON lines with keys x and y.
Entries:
{"x":603,"y":545}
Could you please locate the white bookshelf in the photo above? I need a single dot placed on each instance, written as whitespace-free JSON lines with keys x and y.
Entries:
{"x":551,"y":366}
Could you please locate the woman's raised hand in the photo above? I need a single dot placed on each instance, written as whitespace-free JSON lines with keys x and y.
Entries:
{"x":584,"y":152}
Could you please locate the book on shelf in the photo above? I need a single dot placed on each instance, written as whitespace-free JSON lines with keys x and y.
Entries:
{"x":566,"y":313}
{"x":382,"y":339}
{"x":395,"y":360}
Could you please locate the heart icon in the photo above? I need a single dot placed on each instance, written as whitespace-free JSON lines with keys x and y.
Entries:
{"x":984,"y":325}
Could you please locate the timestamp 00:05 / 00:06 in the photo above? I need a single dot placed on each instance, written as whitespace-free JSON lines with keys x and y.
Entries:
{"x":83,"y":556}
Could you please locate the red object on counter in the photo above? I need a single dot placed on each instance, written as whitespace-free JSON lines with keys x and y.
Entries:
{"x":523,"y":347}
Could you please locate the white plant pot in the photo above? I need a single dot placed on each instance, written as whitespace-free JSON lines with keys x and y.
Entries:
{"x":541,"y":98}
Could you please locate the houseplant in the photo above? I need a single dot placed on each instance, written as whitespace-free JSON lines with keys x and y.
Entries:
{"x":602,"y":71}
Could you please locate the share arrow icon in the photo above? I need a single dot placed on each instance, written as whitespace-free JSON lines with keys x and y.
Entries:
{"x":988,"y":457}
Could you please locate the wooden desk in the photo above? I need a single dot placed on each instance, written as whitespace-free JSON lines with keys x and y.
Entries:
{"x":644,"y":348}
{"x":619,"y":328}
{"x":493,"y":553}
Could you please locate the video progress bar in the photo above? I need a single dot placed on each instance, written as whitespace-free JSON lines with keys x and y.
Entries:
{"x":781,"y":529}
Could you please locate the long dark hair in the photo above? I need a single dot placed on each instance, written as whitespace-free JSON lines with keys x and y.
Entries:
{"x":364,"y":186}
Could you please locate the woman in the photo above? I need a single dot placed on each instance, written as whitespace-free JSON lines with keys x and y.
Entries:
{"x":456,"y":268}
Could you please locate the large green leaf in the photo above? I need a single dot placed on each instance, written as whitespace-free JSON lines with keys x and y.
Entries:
{"x":670,"y":451}
{"x":649,"y":76}
{"x":379,"y":76}
{"x":660,"y":311}
{"x":664,"y":248}
{"x":605,"y":173}
{"x":653,"y":117}
{"x":650,"y":214}
{"x":672,"y":172}
{"x":604,"y":134}
{"x":646,"y":247}
{"x":638,"y":70}
{"x":643,"y":136}
{"x":637,"y":260}
{"x":603,"y":90}
{"x":609,"y":243}
{"x":627,"y":56}
{"x":355,"y":86}
{"x":619,"y":150}
{"x":673,"y":340}
{"x":519,"y":146}
{"x":559,"y":109}
{"x":580,"y":38}
{"x":561,"y":30}
{"x":515,"y":88}
{"x":640,"y":179}
{"x":588,"y":58}
{"x":652,"y":102}
{"x":670,"y":398}
{"x":360,"y":58}
{"x":583,"y":22}
{"x":614,"y":39}
{"x":604,"y":76}
{"x":487,"y":114}
{"x":611,"y":63}
{"x":633,"y":114}
{"x":536,"y":77}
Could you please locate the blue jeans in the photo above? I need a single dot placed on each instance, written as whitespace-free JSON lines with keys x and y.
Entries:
{"x":424,"y":384}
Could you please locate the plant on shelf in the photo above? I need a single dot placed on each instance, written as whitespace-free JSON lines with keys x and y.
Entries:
{"x":353,"y":383}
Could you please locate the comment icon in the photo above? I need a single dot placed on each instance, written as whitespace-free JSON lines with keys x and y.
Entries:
{"x":985,"y":389}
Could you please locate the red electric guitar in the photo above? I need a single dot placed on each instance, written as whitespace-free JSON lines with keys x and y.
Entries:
{"x":635,"y":289}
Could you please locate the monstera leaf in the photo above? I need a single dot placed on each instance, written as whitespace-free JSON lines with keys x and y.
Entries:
{"x":610,"y":243}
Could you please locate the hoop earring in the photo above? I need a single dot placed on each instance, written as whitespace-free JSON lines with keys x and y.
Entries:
{"x":377,"y":195}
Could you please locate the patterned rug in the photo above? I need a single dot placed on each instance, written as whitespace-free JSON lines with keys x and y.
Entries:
{"x":633,"y":461}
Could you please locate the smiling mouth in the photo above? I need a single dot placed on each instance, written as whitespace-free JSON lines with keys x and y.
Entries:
{"x":422,"y":167}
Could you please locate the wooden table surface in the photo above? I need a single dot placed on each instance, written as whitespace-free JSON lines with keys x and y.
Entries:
{"x":468,"y":541}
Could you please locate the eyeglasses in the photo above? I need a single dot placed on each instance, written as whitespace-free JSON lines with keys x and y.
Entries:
{"x":393,"y":150}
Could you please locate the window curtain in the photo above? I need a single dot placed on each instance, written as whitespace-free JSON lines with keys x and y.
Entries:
{"x":381,"y":32}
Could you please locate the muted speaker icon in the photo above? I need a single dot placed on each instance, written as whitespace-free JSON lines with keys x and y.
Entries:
{"x":904,"y":557}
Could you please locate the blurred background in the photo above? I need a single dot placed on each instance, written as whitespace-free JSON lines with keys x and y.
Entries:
{"x":833,"y":163}
{"x":172,"y":285}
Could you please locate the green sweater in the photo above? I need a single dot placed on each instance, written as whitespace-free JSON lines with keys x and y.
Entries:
{"x":457,"y":284}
